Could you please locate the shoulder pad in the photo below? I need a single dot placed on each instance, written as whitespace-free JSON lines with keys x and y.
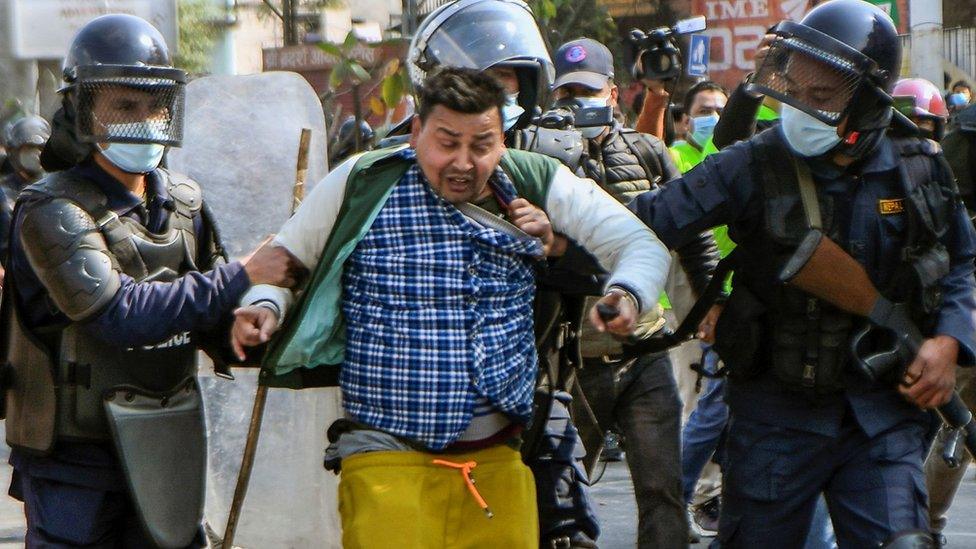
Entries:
{"x":183,"y":190}
{"x":564,"y":145}
{"x":68,"y":253}
{"x":66,"y":185}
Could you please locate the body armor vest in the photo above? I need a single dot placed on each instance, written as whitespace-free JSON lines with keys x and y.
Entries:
{"x":67,"y":375}
{"x":619,"y":169}
{"x":804,"y":341}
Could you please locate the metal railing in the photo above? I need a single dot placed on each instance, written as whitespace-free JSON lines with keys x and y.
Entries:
{"x":958,"y":47}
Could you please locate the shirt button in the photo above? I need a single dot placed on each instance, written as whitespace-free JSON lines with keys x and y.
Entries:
{"x":472,"y":301}
{"x":472,"y":271}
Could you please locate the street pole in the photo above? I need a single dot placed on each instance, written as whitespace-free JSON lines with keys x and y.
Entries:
{"x":925,"y":17}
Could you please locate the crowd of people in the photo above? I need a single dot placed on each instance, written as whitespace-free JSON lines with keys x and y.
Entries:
{"x":496,"y":285}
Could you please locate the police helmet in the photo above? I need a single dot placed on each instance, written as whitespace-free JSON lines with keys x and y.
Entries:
{"x":344,"y":143}
{"x":121,"y":84}
{"x":482,"y":34}
{"x":838,"y":63}
{"x":29,"y":130}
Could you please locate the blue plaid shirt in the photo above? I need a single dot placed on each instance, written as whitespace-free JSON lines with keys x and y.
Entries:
{"x":438,"y":317}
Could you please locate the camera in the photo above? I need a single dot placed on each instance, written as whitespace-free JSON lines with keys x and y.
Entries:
{"x":657,"y":52}
{"x":568,"y":114}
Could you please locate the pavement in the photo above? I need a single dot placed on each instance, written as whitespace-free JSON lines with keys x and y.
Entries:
{"x":613,"y":496}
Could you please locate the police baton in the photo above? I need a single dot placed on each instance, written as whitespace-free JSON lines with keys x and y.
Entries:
{"x":261,"y":396}
{"x":823,"y":269}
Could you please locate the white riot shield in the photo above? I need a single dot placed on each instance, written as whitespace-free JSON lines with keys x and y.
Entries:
{"x":241,"y":145}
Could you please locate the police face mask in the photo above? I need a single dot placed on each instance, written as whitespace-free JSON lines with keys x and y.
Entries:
{"x":29,"y":161}
{"x":806,"y":135}
{"x":511,"y":112}
{"x":702,"y":128}
{"x":588,"y":103}
{"x":134,"y":157}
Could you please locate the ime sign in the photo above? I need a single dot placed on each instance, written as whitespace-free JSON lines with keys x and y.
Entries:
{"x":736,"y":27}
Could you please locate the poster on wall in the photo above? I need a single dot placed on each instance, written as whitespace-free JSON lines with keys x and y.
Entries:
{"x":736,"y":27}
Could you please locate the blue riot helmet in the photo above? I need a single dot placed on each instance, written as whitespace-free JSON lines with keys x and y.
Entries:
{"x":837,"y":65}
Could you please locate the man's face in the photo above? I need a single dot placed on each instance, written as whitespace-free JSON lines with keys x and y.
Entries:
{"x":965,"y":91}
{"x":572,"y":91}
{"x":924,"y":123}
{"x":815,"y":84}
{"x":707,"y":103}
{"x":123,"y":105}
{"x":458,"y":152}
{"x":507,"y":76}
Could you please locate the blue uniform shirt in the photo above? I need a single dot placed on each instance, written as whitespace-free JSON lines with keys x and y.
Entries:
{"x":724,"y":190}
{"x":139,"y":314}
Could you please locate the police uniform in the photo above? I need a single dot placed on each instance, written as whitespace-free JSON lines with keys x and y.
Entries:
{"x":104,"y":307}
{"x":859,"y":443}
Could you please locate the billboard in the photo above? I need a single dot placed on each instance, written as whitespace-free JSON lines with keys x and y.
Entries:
{"x":43,"y":29}
{"x":736,"y":27}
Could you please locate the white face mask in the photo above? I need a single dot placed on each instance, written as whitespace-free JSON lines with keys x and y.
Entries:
{"x":806,"y":135}
{"x":135,"y":157}
{"x":588,"y":103}
{"x":511,"y":112}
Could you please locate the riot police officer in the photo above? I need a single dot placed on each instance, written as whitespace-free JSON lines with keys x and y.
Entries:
{"x":803,"y":421}
{"x":114,"y":277}
{"x":502,"y":37}
{"x":344,"y":143}
{"x":25,"y":141}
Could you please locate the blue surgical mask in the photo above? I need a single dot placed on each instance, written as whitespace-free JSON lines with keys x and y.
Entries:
{"x":135,"y":157}
{"x":590,"y":103}
{"x":806,"y":135}
{"x":511,"y":112}
{"x":702,"y":128}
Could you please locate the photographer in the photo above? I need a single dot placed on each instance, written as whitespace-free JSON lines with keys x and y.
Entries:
{"x":638,"y":395}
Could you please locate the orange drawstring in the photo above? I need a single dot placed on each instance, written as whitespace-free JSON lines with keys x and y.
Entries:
{"x":465,"y":469}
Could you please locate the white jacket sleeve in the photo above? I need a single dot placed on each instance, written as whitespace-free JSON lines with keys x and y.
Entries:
{"x":306,"y":232}
{"x":624,"y":246}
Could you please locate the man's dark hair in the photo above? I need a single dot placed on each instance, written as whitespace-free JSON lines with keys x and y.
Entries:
{"x":462,"y":90}
{"x":961,"y":84}
{"x":705,"y":85}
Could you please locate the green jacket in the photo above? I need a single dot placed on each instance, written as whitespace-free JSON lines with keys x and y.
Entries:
{"x":311,"y":344}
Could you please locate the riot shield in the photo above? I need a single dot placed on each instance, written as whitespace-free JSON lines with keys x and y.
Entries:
{"x":241,"y":144}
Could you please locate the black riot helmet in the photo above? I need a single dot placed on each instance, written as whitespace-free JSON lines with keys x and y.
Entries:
{"x":839,"y":62}
{"x":482,"y":34}
{"x":121,"y":84}
{"x":344,"y":143}
{"x":29,"y":130}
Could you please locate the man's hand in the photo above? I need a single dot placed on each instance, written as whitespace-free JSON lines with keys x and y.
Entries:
{"x":656,"y":87}
{"x":931,"y":377}
{"x":763,"y":49}
{"x":533,"y":222}
{"x":706,"y":329}
{"x":626,"y":320}
{"x":271,"y":264}
{"x":253,"y":325}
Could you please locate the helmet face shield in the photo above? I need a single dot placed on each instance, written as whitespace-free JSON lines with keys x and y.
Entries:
{"x":129,"y":108}
{"x":812,"y":72}
{"x":478,"y":35}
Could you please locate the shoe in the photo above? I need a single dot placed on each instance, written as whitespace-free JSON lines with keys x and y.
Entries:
{"x":611,"y":448}
{"x":940,"y":540}
{"x":579,"y":540}
{"x":705,"y":516}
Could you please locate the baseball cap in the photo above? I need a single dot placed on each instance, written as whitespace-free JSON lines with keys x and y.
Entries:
{"x":585,"y":62}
